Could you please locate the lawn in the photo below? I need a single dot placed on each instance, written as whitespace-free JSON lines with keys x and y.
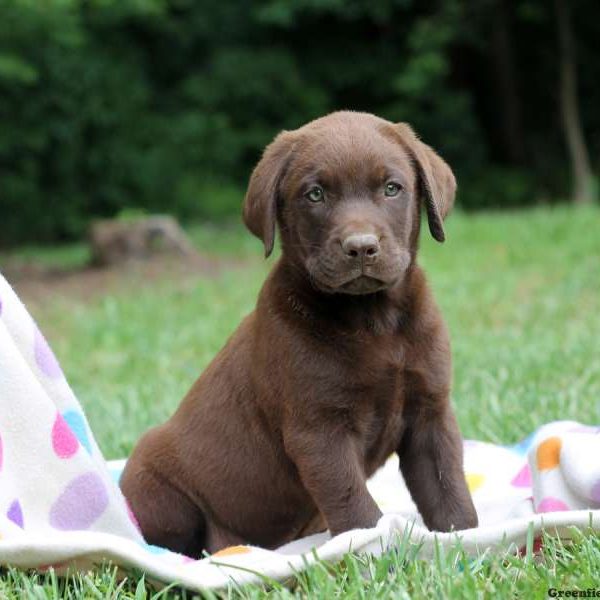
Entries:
{"x":521,"y":294}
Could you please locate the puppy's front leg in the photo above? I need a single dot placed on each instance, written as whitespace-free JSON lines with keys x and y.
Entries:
{"x":331,"y":472}
{"x":431,"y":461}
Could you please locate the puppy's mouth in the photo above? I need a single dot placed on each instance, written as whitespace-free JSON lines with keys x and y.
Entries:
{"x":356,"y":286}
{"x":329,"y":276}
{"x":363,"y":284}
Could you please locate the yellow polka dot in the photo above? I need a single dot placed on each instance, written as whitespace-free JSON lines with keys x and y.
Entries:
{"x":474,"y":481}
{"x":232,"y":550}
{"x":548,"y":454}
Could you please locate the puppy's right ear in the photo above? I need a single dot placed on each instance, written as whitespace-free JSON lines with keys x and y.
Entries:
{"x":260,"y":204}
{"x":437,"y":180}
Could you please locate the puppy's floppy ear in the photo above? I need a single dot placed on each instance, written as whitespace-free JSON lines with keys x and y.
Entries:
{"x":260,"y":204}
{"x":437,"y":181}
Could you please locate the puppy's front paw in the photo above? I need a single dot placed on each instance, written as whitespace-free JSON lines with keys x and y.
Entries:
{"x":456,"y":519}
{"x":366,"y":519}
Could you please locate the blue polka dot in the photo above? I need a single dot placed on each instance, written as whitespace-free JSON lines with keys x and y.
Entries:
{"x":115,"y":474}
{"x":155,"y":549}
{"x":523,"y":446}
{"x":76,"y":423}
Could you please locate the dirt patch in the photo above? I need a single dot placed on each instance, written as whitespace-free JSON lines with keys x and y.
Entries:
{"x":35,"y":282}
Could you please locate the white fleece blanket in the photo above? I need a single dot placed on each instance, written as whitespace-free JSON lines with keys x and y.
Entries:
{"x":60,"y":504}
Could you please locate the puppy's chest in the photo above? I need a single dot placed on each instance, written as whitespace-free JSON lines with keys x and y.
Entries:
{"x":379,"y":419}
{"x":376,"y":394}
{"x":377,"y":365}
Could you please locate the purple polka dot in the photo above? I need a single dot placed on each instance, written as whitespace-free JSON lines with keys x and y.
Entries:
{"x":44,"y":357}
{"x":522,"y":478}
{"x":596,"y":492}
{"x":81,"y":503}
{"x":584,"y":429}
{"x":550,"y":504}
{"x":0,"y":306}
{"x":15,"y":514}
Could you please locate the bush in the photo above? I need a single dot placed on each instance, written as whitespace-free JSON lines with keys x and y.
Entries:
{"x":157,"y":104}
{"x":497,"y":187}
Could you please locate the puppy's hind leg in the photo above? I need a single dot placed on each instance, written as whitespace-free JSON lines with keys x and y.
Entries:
{"x":167,"y":517}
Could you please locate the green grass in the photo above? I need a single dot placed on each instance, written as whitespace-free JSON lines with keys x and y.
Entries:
{"x":71,"y":256}
{"x":521,"y":294}
{"x":227,"y":239}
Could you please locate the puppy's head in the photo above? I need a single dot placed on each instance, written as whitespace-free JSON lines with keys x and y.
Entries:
{"x":346,"y":191}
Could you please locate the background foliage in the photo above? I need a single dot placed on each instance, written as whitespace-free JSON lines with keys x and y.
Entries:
{"x":166,"y":104}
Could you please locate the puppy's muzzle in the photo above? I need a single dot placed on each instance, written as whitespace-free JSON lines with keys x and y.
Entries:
{"x":361,"y":248}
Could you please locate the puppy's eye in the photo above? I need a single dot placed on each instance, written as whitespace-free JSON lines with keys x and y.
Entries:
{"x":392,"y":188}
{"x":315,"y":194}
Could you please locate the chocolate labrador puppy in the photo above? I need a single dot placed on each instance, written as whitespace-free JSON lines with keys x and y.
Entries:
{"x":345,"y":360}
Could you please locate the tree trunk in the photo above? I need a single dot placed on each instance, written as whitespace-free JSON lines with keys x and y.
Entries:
{"x":583,"y":184}
{"x":509,"y":106}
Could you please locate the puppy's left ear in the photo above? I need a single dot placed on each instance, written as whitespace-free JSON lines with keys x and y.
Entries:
{"x":438,"y":184}
{"x":260,"y":204}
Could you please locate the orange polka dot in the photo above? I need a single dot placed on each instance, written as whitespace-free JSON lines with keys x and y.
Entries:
{"x":232,"y":550}
{"x":474,"y":481}
{"x":548,"y":454}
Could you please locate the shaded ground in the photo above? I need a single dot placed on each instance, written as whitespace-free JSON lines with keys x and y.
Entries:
{"x":39,"y":273}
{"x":34,"y":281}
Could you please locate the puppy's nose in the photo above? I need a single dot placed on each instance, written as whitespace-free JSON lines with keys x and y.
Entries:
{"x":361,"y":245}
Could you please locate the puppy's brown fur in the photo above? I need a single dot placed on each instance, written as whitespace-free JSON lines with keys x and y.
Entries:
{"x":345,"y":360}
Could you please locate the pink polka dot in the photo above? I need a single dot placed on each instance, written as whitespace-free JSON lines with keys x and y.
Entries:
{"x":132,"y":516}
{"x":64,"y":442}
{"x":596,"y":492}
{"x":550,"y":504}
{"x":522,"y":478}
{"x":44,"y":357}
{"x":187,"y":559}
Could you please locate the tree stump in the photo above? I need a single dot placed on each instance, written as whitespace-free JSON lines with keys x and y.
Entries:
{"x":117,"y":241}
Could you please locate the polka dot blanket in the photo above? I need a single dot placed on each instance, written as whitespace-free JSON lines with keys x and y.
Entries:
{"x":60,"y":504}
